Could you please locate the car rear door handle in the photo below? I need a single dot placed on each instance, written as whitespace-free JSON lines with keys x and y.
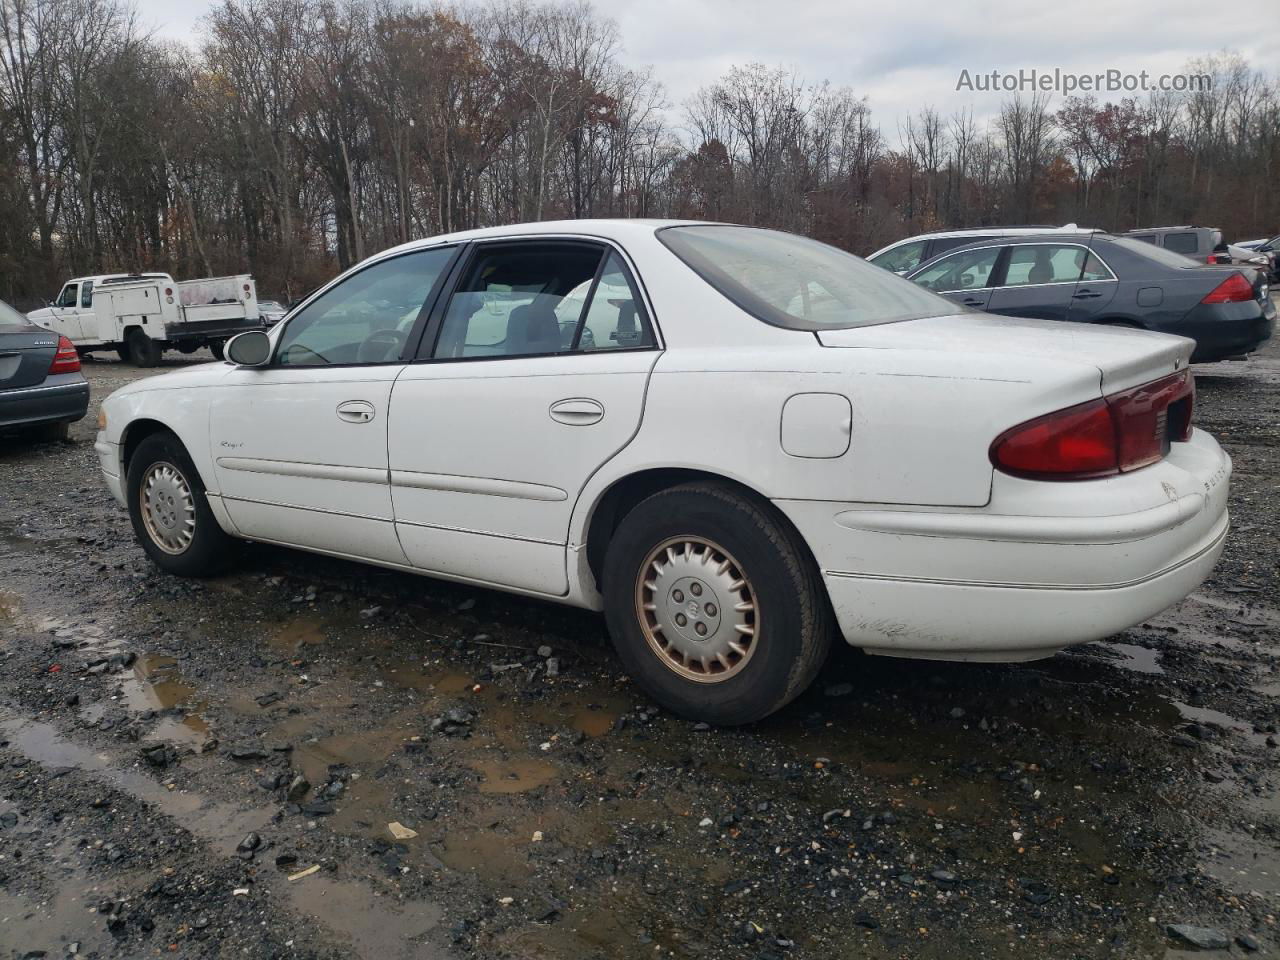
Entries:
{"x":1085,"y":295}
{"x":972,"y":302}
{"x":356,"y":411}
{"x":577,"y":411}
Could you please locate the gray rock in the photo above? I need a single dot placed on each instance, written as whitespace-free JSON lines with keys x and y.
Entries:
{"x":298,"y":789}
{"x":1202,"y":938}
{"x":544,"y":651}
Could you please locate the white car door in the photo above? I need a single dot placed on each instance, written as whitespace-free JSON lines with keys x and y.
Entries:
{"x":66,"y":312}
{"x":533,"y":375}
{"x":300,"y":445}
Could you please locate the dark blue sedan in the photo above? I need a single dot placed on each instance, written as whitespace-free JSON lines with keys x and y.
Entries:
{"x":1100,"y":278}
{"x":41,"y":386}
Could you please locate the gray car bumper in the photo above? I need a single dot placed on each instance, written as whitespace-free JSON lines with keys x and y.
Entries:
{"x":50,"y":402}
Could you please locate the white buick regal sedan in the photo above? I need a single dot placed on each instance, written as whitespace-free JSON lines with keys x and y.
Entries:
{"x":736,"y":443}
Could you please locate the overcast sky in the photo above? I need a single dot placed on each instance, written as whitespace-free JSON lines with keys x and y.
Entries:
{"x":903,"y":56}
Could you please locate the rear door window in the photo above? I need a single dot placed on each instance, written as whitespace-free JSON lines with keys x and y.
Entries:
{"x":86,"y":294}
{"x":1031,"y":264}
{"x":519,"y":300}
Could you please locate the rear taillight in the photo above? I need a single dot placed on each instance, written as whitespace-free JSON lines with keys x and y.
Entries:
{"x":66,"y":360}
{"x":1234,"y":289}
{"x":1103,"y":437}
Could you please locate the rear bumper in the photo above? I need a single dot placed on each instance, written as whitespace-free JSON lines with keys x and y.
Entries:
{"x":1227,"y":330}
{"x":46,"y":403}
{"x":1042,"y":567}
{"x":209,"y":329}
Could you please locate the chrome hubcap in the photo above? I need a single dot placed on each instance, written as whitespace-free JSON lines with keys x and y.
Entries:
{"x":697,"y":609}
{"x":168,"y":508}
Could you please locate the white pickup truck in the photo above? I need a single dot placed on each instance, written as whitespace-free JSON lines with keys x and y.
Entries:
{"x":141,"y":315}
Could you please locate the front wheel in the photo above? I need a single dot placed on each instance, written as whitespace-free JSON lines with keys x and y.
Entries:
{"x":169,"y":511}
{"x":714,"y":605}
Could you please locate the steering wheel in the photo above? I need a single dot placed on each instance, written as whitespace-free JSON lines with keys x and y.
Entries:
{"x":381,"y":346}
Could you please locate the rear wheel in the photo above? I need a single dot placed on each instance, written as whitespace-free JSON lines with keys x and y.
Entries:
{"x":56,"y":431}
{"x":218,"y":349}
{"x":714,"y":605}
{"x":169,"y":511}
{"x":143,"y":351}
{"x":122,"y":352}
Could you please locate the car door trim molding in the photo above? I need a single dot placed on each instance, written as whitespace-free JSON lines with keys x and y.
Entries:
{"x":478,"y":533}
{"x":485,"y":486}
{"x":311,"y":471}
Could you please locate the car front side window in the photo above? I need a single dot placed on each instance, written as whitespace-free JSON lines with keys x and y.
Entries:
{"x":67,"y":298}
{"x":966,"y":270}
{"x":903,"y":257}
{"x":367,"y":317}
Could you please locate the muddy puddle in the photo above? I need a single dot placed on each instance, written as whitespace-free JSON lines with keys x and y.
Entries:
{"x":376,"y":927}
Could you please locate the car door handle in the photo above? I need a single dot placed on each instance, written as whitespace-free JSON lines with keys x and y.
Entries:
{"x":1085,"y":295}
{"x":577,"y":411}
{"x":972,"y":302}
{"x":356,"y":411}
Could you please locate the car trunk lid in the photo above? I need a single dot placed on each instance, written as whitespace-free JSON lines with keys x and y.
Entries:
{"x":1122,"y":356}
{"x":25,"y":355}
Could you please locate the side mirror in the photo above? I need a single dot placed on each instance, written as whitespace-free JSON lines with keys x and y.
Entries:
{"x":251,"y":349}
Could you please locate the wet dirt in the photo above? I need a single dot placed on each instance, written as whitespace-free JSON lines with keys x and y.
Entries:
{"x":1065,"y":808}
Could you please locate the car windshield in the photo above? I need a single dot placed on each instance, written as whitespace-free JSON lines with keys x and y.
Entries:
{"x":798,"y":283}
{"x":1152,"y":252}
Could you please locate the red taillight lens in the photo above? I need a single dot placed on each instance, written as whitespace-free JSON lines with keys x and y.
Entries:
{"x":1234,"y":289}
{"x":66,"y":360}
{"x":1106,"y":436}
{"x":168,"y":291}
{"x":1076,"y":443}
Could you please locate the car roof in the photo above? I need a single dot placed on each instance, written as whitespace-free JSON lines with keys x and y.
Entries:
{"x":608,"y":229}
{"x":1027,"y":239}
{"x":995,"y":232}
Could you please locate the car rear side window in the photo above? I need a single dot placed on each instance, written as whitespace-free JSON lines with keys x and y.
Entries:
{"x":1181,"y":242}
{"x":797,"y":283}
{"x":1036,"y":263}
{"x":519,"y":300}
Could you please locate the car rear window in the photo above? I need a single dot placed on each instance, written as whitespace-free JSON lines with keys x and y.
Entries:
{"x":798,"y":283}
{"x":1151,"y":252}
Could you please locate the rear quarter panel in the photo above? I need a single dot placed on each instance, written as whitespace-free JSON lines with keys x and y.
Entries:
{"x":920,"y":429}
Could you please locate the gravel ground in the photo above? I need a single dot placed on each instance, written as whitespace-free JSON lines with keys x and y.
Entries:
{"x":312,"y":759}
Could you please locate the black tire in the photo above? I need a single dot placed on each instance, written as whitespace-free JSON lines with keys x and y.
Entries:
{"x":209,"y":548}
{"x":795,"y":622}
{"x":123,"y":353}
{"x":218,"y":348}
{"x":143,"y":351}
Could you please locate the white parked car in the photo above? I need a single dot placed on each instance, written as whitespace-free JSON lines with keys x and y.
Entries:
{"x":737,"y":443}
